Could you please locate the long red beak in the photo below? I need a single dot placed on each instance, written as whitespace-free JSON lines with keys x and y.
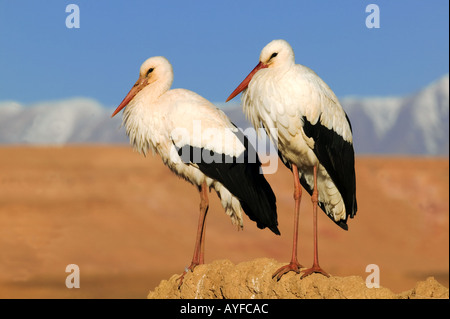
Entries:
{"x":139,"y":85}
{"x":246,"y":81}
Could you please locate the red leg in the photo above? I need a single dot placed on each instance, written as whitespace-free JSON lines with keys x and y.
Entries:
{"x":199,"y":249}
{"x":315,"y":267}
{"x":204,"y":205}
{"x":294,"y":264}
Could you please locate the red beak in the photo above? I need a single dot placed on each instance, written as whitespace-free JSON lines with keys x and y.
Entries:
{"x":139,"y":85}
{"x":246,"y":81}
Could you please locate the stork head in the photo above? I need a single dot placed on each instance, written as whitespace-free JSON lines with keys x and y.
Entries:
{"x":154,"y":70}
{"x":276,"y":54}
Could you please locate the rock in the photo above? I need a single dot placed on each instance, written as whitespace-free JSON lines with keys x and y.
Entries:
{"x":253,"y":280}
{"x":428,"y":289}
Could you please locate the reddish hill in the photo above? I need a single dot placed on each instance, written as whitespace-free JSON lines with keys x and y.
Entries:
{"x":129,"y":223}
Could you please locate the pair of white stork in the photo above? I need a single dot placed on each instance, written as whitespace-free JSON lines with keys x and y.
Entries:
{"x":314,"y":139}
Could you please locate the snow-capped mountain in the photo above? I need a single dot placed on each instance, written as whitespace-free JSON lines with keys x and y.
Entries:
{"x":77,"y":120}
{"x":414,"y":124}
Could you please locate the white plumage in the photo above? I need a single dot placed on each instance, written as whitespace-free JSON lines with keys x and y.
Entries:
{"x":169,"y":121}
{"x":172,"y":122}
{"x":313,"y":131}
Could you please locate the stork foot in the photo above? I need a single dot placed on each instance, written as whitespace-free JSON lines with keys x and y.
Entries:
{"x":314,"y":269}
{"x":292,"y":266}
{"x":190,"y":268}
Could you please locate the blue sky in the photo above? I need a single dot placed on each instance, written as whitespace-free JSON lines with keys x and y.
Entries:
{"x":213,"y":45}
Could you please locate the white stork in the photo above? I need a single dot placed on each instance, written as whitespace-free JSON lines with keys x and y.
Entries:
{"x":197,"y":142}
{"x":314,"y":137}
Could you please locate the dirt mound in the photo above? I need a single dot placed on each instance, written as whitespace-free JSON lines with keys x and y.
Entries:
{"x":252,"y":280}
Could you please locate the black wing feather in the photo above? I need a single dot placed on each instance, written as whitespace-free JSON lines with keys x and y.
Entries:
{"x":338,"y":157}
{"x":242,"y":176}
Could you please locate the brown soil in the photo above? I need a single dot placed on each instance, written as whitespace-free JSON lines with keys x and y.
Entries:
{"x":253,"y":280}
{"x":129,"y":223}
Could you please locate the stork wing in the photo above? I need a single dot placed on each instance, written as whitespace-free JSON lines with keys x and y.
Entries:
{"x":338,"y":157}
{"x":240,"y":174}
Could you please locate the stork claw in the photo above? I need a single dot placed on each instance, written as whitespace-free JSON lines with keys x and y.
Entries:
{"x":314,"y":269}
{"x":292,"y":266}
{"x":186,"y":270}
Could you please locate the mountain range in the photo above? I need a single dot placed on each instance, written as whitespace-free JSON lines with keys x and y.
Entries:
{"x":415,"y":124}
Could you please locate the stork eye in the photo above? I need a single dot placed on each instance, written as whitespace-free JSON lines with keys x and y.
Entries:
{"x":273,"y":55}
{"x":149,"y":71}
